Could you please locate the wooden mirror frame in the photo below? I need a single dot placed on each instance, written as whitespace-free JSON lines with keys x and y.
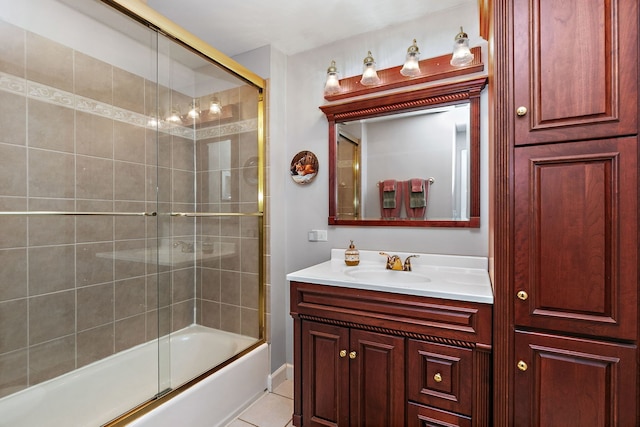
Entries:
{"x":399,"y":102}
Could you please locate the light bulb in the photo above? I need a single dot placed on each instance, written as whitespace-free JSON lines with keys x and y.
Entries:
{"x":369,"y":74}
{"x":461,"y":53}
{"x":411,"y":67}
{"x":332,"y":86}
{"x":214,"y":106}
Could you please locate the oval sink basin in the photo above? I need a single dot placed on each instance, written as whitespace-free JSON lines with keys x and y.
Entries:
{"x":387,"y":277}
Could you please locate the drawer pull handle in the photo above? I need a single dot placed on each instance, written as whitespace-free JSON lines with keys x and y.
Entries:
{"x":437,"y":377}
{"x":352,"y":355}
{"x":522,"y":365}
{"x":343,"y":353}
{"x":523,"y":295}
{"x":521,"y":111}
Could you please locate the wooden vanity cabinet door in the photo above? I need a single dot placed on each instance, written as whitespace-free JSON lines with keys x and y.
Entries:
{"x":576,"y":244}
{"x":564,"y":381}
{"x":325,"y":375}
{"x":440,"y":375}
{"x":575,"y":71}
{"x":377,"y":379}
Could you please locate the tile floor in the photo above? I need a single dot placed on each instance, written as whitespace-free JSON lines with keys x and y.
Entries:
{"x":271,"y":410}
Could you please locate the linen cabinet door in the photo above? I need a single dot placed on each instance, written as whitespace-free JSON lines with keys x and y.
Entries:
{"x":563,"y":381}
{"x":576,"y":265}
{"x":325,"y":375}
{"x":575,"y":72}
{"x":377,"y":379}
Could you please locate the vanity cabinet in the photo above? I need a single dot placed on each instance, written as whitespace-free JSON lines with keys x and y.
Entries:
{"x":565,"y":205}
{"x":372,"y":358}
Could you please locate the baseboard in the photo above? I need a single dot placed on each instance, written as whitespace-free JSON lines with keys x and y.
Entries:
{"x":280,"y":375}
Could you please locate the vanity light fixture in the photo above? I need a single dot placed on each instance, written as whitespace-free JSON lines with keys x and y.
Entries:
{"x":174,"y":117}
{"x":411,"y":67}
{"x":332,"y":85}
{"x":194,"y":110}
{"x":369,"y":74}
{"x":215,"y":107}
{"x":461,"y":53}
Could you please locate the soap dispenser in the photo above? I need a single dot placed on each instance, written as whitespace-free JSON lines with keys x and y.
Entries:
{"x":352,"y":255}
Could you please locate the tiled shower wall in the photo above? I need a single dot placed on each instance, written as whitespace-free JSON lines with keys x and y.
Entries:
{"x":73,"y":137}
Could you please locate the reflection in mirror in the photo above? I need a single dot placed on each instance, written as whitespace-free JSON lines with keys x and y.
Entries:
{"x":409,"y":158}
{"x":431,"y":145}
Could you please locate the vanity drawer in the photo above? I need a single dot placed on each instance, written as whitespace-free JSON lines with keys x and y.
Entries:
{"x":440,"y":375}
{"x":425,"y":416}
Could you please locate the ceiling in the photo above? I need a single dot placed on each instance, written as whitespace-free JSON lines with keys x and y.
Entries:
{"x":291,"y":26}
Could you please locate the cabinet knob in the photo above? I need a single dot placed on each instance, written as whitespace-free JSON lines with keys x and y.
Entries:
{"x":522,"y":365}
{"x":343,"y":353}
{"x":437,"y":377}
{"x":352,"y":355}
{"x":521,"y":111}
{"x":523,"y":295}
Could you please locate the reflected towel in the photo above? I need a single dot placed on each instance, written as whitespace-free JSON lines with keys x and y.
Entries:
{"x":389,"y":194}
{"x":389,"y":185}
{"x":417,"y":197}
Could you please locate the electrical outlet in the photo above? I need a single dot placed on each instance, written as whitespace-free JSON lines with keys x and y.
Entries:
{"x":317,"y":235}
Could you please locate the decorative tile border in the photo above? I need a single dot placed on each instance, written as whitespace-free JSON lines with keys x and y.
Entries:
{"x":41,"y":92}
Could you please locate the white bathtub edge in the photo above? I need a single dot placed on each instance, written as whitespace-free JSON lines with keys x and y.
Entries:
{"x":218,"y":399}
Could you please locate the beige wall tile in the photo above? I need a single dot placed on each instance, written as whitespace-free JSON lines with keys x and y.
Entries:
{"x":13,"y":372}
{"x":49,"y":62}
{"x":129,"y":142}
{"x":182,"y":314}
{"x":51,"y":174}
{"x":13,"y":318}
{"x":50,"y":269}
{"x":13,"y":274}
{"x":95,"y":344}
{"x":94,"y":178}
{"x":94,"y":135}
{"x":95,"y":306}
{"x":128,"y":91}
{"x":93,"y":78}
{"x":12,"y":49}
{"x":230,"y":319}
{"x":51,"y":230}
{"x":51,"y":359}
{"x":13,"y":170}
{"x":91,"y":269}
{"x":129,"y":181}
{"x":183,"y":281}
{"x":50,"y":126}
{"x":13,"y":117}
{"x":210,"y":314}
{"x":94,"y":228}
{"x":130,"y":332}
{"x":51,"y":316}
{"x":130,"y":297}
{"x":230,"y":287}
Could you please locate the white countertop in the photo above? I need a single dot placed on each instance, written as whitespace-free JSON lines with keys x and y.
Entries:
{"x":462,"y":278}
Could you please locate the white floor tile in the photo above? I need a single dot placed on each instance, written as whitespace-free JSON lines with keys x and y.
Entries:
{"x":271,"y":410}
{"x":285,"y":389}
{"x":239,"y":423}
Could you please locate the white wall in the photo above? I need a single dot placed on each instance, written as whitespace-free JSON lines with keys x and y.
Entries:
{"x":306,"y":206}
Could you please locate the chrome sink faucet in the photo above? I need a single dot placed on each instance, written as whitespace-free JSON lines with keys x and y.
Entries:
{"x":394,"y":262}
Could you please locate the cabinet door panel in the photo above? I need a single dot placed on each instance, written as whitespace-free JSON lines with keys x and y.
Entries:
{"x":325,"y":375}
{"x":377,"y":379}
{"x":440,"y":375}
{"x":562,"y":381}
{"x":576,"y":237}
{"x":575,"y":72}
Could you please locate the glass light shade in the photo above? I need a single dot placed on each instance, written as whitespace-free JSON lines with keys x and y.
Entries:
{"x":214,"y":106}
{"x":332,"y":86}
{"x":411,"y":67}
{"x":461,"y":53}
{"x":369,"y":74}
{"x":194,"y":112}
{"x":174,"y":116}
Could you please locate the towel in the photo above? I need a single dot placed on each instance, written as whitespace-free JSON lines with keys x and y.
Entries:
{"x":417,"y":197}
{"x":389,"y":194}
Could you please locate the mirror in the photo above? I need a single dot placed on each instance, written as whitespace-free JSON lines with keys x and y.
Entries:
{"x":407,"y":159}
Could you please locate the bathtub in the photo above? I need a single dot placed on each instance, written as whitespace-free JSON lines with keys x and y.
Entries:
{"x":99,"y":392}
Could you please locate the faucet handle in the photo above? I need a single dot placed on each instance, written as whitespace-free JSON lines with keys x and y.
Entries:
{"x":407,"y":262}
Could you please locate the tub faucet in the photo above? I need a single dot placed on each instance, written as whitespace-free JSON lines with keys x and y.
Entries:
{"x":185,"y":247}
{"x":395,"y":263}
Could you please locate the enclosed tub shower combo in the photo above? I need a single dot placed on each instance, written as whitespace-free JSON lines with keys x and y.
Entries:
{"x":131,"y":220}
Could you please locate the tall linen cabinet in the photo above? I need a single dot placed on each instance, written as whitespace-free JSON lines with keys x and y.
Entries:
{"x":564,"y":215}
